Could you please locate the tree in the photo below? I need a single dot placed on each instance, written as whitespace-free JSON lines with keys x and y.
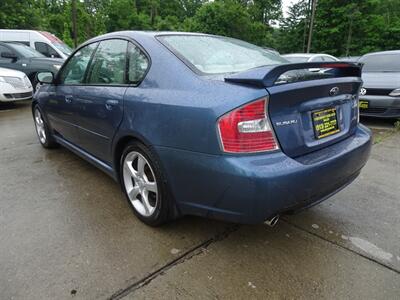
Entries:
{"x":291,"y":36}
{"x":229,"y":18}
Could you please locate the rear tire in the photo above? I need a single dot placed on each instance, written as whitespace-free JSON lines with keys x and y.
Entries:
{"x":144,"y":185}
{"x":42,"y":129}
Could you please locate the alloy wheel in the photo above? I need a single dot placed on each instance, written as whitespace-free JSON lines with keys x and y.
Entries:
{"x":40,"y":126}
{"x":140,"y":183}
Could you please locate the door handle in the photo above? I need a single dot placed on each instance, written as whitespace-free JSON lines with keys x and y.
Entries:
{"x":111,"y":103}
{"x":68,"y":99}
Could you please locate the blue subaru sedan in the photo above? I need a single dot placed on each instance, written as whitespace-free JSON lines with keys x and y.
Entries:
{"x":196,"y":124}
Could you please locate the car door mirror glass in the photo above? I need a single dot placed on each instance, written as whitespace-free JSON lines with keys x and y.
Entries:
{"x":45,"y":77}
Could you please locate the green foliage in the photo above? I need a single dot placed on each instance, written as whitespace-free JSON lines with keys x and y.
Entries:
{"x":342,"y":27}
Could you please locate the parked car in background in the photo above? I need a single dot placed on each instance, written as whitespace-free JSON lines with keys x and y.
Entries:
{"x":272,"y":50}
{"x":350,"y":58}
{"x":14,"y":86}
{"x":42,"y":41}
{"x":204,"y":125}
{"x":23,"y":58}
{"x":309,"y":57}
{"x":380,"y":94}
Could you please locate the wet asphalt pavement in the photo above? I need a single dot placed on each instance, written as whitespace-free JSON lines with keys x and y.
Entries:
{"x":68,"y":233}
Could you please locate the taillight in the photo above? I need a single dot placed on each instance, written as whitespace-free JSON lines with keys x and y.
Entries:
{"x":247,"y":129}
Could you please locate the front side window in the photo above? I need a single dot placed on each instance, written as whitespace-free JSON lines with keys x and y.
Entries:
{"x":213,"y":55}
{"x":109,"y":63}
{"x":42,"y":48}
{"x":74,"y":71}
{"x":46,"y":50}
{"x":138,"y":64}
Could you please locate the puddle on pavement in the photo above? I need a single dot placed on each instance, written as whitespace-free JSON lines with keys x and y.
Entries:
{"x":363,"y":245}
{"x":370,"y":248}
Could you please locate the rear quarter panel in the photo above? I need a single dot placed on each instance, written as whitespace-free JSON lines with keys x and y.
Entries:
{"x":174,"y":107}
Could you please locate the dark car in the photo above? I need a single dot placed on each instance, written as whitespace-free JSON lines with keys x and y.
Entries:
{"x":205,"y":125}
{"x":380,"y":94}
{"x":20,"y":57}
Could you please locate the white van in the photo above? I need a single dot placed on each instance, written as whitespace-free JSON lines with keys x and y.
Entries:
{"x":44,"y":42}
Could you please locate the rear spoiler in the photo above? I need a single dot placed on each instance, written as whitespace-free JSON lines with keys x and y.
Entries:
{"x":267,"y":76}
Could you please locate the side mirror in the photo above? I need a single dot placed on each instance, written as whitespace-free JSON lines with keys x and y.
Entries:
{"x":45,"y":77}
{"x":9,"y":55}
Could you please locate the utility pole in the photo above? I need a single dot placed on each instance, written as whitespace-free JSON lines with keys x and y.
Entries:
{"x":74,"y":29}
{"x":314,"y":4}
{"x":306,"y":23}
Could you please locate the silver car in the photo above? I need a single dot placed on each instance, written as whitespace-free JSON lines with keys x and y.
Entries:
{"x":380,"y":94}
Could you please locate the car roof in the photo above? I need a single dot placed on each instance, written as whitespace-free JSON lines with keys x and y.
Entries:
{"x":383,"y":52}
{"x":304,"y":54}
{"x":136,"y":34}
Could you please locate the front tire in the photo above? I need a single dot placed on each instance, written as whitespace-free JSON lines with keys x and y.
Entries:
{"x":144,"y":185}
{"x":42,"y":129}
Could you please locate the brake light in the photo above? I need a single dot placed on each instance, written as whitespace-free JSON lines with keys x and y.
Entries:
{"x":247,"y":129}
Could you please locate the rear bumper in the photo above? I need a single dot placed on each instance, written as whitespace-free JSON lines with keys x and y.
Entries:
{"x":252,"y":188}
{"x":381,"y":106}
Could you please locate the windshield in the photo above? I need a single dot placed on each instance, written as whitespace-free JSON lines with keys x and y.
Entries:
{"x":63,"y":48}
{"x":214,"y":55}
{"x":381,"y":63}
{"x":296,"y":59}
{"x":25,"y":51}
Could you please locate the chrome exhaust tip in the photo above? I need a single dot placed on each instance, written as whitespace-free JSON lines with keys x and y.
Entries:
{"x":272,"y":221}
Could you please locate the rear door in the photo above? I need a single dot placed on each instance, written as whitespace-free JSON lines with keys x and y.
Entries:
{"x":99,"y":102}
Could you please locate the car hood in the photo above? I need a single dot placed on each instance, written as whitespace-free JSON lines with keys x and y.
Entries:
{"x":12,"y":73}
{"x":381,"y":80}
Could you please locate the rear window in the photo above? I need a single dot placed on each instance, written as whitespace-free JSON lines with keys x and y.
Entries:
{"x":216,"y":55}
{"x":381,"y":63}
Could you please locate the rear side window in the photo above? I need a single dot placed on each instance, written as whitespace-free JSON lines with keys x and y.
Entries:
{"x":75,"y":70}
{"x":381,"y":63}
{"x":109,"y":63}
{"x":213,"y":54}
{"x":138,"y":64}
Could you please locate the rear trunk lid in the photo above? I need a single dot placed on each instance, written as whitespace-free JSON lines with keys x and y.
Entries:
{"x":308,"y":111}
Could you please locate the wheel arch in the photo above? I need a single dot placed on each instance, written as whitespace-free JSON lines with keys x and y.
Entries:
{"x":119,"y":146}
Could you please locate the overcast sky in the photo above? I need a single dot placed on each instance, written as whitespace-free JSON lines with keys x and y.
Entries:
{"x":286,"y":4}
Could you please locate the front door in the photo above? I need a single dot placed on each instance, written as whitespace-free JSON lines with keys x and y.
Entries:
{"x":61,"y":106}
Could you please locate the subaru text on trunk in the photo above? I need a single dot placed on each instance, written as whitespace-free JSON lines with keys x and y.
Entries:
{"x":196,"y":124}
